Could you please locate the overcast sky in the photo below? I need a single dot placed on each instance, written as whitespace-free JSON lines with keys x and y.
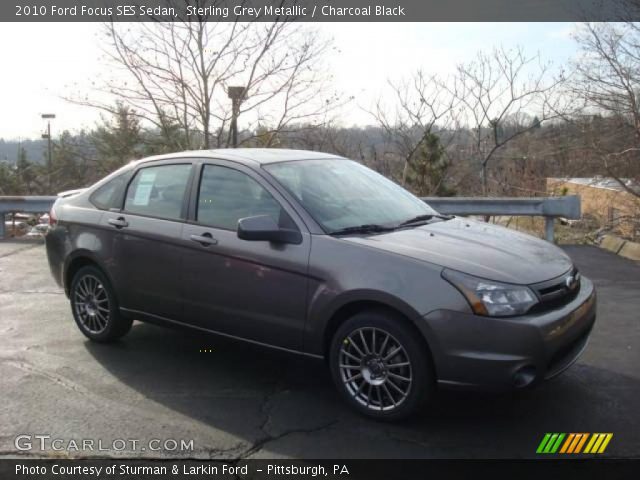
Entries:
{"x":42,"y":61}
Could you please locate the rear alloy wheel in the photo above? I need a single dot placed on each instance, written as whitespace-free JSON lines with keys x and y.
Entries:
{"x":95,"y":308}
{"x":380,"y":368}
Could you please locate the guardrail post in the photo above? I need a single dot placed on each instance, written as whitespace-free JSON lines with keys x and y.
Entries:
{"x":548,"y":229}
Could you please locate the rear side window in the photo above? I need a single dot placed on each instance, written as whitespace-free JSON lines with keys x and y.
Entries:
{"x":158,"y":191}
{"x":109,"y":195}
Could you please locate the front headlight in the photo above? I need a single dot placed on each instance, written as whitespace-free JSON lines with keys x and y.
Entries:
{"x":490,"y":298}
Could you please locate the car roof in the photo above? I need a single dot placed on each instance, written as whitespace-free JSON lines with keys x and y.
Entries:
{"x":254,"y":156}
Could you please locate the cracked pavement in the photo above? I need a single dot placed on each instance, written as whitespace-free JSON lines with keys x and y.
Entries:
{"x":241,"y":401}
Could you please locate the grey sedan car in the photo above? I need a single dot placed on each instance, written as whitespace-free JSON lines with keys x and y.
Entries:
{"x":318,"y":255}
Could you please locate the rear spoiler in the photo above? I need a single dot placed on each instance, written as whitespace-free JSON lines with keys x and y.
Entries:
{"x":70,"y":193}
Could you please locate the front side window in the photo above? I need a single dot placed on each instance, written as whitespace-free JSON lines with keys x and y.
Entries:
{"x":227,"y":195}
{"x":341,"y":193}
{"x":158,"y":191}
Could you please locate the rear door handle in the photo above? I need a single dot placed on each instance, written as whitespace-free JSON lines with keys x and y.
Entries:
{"x":119,"y":222}
{"x":206,"y":239}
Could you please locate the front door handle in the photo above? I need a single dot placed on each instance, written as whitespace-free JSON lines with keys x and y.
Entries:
{"x":205,"y":239}
{"x":119,"y":222}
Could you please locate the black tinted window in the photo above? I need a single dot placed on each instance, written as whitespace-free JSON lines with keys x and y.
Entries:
{"x":158,"y":191}
{"x":109,"y":194}
{"x":227,"y":195}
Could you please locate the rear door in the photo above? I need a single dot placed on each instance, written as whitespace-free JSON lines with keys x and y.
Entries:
{"x":145,"y":252}
{"x":251,"y":289}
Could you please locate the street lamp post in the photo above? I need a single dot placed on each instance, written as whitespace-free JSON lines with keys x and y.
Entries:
{"x":236,"y":94}
{"x":48,"y":117}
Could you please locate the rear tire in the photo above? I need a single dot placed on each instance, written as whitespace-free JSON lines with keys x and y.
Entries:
{"x":95,"y":307}
{"x":380,"y":366}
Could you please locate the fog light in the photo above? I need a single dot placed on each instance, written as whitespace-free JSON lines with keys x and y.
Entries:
{"x":524,"y":376}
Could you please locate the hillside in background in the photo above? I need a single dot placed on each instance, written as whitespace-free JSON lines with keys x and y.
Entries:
{"x":35,"y":150}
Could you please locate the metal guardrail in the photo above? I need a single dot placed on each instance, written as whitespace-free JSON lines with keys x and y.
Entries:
{"x":547,"y":207}
{"x":8,"y":205}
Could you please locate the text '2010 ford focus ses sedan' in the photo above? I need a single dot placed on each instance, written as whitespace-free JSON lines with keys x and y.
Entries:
{"x":316,"y":254}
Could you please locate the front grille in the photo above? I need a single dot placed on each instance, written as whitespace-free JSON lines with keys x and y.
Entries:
{"x":557,"y":292}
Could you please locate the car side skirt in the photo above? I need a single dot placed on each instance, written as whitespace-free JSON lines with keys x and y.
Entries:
{"x":163,"y":321}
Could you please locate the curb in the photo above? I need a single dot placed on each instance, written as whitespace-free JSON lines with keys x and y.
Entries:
{"x":619,"y":246}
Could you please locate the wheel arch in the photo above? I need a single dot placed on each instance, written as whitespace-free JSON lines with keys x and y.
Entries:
{"x":78,"y":260}
{"x":349,"y":307}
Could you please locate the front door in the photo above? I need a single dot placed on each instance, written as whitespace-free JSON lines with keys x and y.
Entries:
{"x":250,"y":289}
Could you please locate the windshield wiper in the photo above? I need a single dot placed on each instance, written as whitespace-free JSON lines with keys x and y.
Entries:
{"x":366,"y":228}
{"x":425,"y":218}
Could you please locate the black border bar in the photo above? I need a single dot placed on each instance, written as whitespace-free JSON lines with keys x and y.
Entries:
{"x":319,"y":10}
{"x":538,"y":469}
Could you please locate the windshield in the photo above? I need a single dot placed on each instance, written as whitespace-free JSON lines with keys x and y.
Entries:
{"x":340,"y":194}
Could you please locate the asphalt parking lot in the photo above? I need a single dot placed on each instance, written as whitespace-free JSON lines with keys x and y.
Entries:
{"x":243,"y":401}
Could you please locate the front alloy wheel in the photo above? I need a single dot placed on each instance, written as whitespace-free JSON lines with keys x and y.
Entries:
{"x":380,"y":365}
{"x":375,"y":369}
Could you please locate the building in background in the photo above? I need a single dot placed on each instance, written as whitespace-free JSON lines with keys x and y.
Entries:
{"x":604,"y":200}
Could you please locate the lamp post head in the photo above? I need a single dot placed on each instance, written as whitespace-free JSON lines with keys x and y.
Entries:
{"x":237,"y":93}
{"x":48,"y":115}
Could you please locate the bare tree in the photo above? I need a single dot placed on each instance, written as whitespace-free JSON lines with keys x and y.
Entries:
{"x":499,"y":93}
{"x":608,"y":79}
{"x":421,"y":105}
{"x":175,"y":75}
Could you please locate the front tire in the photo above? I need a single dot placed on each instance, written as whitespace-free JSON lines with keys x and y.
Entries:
{"x":95,"y":307}
{"x":380,"y":366}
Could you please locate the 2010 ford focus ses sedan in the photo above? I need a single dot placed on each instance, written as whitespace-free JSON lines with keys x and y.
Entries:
{"x":318,"y":255}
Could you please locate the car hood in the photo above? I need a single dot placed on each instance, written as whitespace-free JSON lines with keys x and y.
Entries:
{"x":482,"y":249}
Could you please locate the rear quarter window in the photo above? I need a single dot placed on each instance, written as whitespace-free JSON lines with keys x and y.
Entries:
{"x":109,"y":195}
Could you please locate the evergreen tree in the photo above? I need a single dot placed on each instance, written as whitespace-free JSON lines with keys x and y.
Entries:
{"x":118,"y":141}
{"x":26,"y":174}
{"x":69,"y":162}
{"x":428,"y":168}
{"x":171,"y":138}
{"x":8,"y":179}
{"x":536,"y":122}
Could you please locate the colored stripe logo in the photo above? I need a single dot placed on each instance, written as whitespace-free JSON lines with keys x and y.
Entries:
{"x":572,"y":443}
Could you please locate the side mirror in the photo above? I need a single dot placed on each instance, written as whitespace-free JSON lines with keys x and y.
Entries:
{"x":264,"y":228}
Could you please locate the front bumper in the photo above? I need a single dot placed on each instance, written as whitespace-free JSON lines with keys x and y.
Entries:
{"x":501,"y":353}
